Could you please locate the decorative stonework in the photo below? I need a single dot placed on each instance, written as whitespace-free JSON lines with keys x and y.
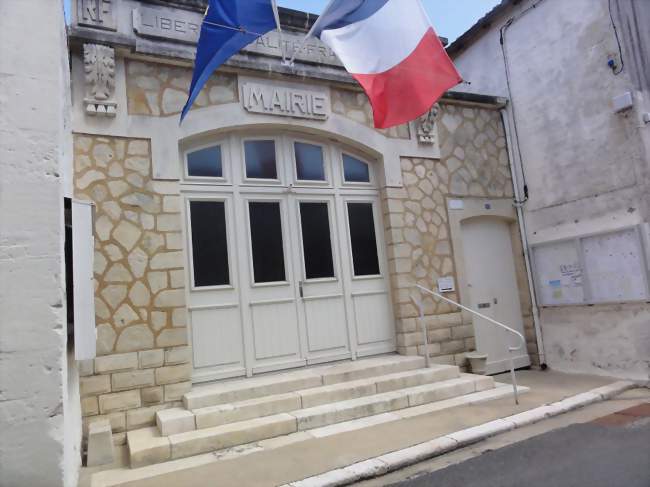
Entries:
{"x":143,"y":358}
{"x":160,"y":90}
{"x":426,"y":126}
{"x":99,"y":69}
{"x":96,"y":13}
{"x":355,"y":106}
{"x":474,"y":162}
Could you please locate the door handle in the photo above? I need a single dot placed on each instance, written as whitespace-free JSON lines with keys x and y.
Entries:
{"x":301,"y":290}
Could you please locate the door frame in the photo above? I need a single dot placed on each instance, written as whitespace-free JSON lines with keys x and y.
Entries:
{"x":472,"y":208}
{"x":286,"y":189}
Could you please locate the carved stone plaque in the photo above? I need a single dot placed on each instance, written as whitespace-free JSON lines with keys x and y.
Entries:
{"x":182,"y":26}
{"x":96,"y":13}
{"x":285,"y":101}
{"x":166,"y":23}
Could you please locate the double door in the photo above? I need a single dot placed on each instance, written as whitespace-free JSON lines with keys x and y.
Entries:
{"x":306,"y":278}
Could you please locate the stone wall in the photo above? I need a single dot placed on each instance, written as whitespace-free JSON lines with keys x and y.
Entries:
{"x":161,"y":90}
{"x":474,"y":163}
{"x":353,"y":104}
{"x":143,"y":361}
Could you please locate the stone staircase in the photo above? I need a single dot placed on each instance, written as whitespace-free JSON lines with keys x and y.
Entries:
{"x":307,"y":401}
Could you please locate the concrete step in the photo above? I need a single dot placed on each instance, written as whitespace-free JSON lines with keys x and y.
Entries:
{"x":154,"y":469}
{"x":338,"y":412}
{"x":265,"y":406}
{"x":229,"y":435}
{"x":273,"y":384}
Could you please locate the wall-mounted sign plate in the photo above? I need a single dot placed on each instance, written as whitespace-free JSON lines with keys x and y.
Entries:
{"x":446,"y":284}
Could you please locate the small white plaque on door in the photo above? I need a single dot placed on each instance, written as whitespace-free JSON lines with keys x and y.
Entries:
{"x":446,"y":284}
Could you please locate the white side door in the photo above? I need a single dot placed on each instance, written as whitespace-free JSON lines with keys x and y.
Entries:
{"x":492,"y":285}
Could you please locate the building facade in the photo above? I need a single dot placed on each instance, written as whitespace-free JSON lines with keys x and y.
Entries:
{"x":576,"y":74}
{"x":275,"y":228}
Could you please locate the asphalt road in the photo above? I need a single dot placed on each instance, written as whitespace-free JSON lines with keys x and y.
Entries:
{"x":581,"y":455}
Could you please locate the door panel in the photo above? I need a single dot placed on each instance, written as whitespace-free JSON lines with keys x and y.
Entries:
{"x":270,"y":288}
{"x":373,"y":318}
{"x":369,"y":295}
{"x":321,"y":296}
{"x":275,"y":326}
{"x":215,"y":321}
{"x":217,"y":345}
{"x":487,"y":249}
{"x":326,"y":324}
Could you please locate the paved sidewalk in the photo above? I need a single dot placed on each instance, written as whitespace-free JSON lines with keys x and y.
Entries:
{"x":613,"y":450}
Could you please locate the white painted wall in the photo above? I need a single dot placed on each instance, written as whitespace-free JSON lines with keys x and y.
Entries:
{"x":586,"y":167}
{"x":39,"y":440}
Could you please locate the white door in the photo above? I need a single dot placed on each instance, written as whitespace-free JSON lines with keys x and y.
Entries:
{"x":321,"y":296}
{"x":493,"y":291}
{"x":369,"y":295}
{"x":287,"y":264}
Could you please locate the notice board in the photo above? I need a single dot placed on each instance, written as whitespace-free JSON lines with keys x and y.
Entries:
{"x":559,"y":274}
{"x":616,"y":266}
{"x":603,"y":268}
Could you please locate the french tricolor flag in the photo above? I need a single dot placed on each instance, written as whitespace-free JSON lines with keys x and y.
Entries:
{"x":390,"y":48}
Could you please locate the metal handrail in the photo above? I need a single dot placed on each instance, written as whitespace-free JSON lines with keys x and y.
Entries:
{"x":511,"y":350}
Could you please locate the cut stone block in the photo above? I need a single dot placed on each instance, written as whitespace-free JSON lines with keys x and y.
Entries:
{"x":364,"y":369}
{"x":147,"y":447}
{"x":225,"y":436}
{"x":352,"y":409}
{"x":443,"y":390}
{"x":241,"y":390}
{"x":251,"y":388}
{"x":100,"y":444}
{"x":416,"y":378}
{"x":250,"y":409}
{"x":174,"y":421}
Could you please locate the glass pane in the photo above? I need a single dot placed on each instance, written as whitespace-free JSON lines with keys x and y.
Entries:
{"x":209,"y":243}
{"x":205,"y":162}
{"x":316,"y":240}
{"x":363,"y":239}
{"x":355,"y":171}
{"x":260,"y":159}
{"x":309,"y":162}
{"x":266,"y":241}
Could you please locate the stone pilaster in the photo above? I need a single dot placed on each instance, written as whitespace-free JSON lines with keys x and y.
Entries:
{"x":143,"y":361}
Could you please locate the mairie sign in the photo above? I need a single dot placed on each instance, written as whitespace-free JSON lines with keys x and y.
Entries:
{"x":285,"y":101}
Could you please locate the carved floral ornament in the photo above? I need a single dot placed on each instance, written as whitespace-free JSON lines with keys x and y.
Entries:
{"x":99,"y":69}
{"x":426,"y":126}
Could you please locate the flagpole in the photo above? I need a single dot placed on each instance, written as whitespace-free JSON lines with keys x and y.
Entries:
{"x":310,"y":33}
{"x":276,"y":13}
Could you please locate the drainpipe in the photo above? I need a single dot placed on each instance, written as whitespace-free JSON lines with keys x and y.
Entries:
{"x":519,"y":205}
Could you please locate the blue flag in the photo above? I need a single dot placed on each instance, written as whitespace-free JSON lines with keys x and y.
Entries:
{"x":228,"y":27}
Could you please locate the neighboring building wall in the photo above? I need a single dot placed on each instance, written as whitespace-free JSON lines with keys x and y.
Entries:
{"x":143,"y":363}
{"x":39,"y":430}
{"x":585,"y":166}
{"x":474,"y":163}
